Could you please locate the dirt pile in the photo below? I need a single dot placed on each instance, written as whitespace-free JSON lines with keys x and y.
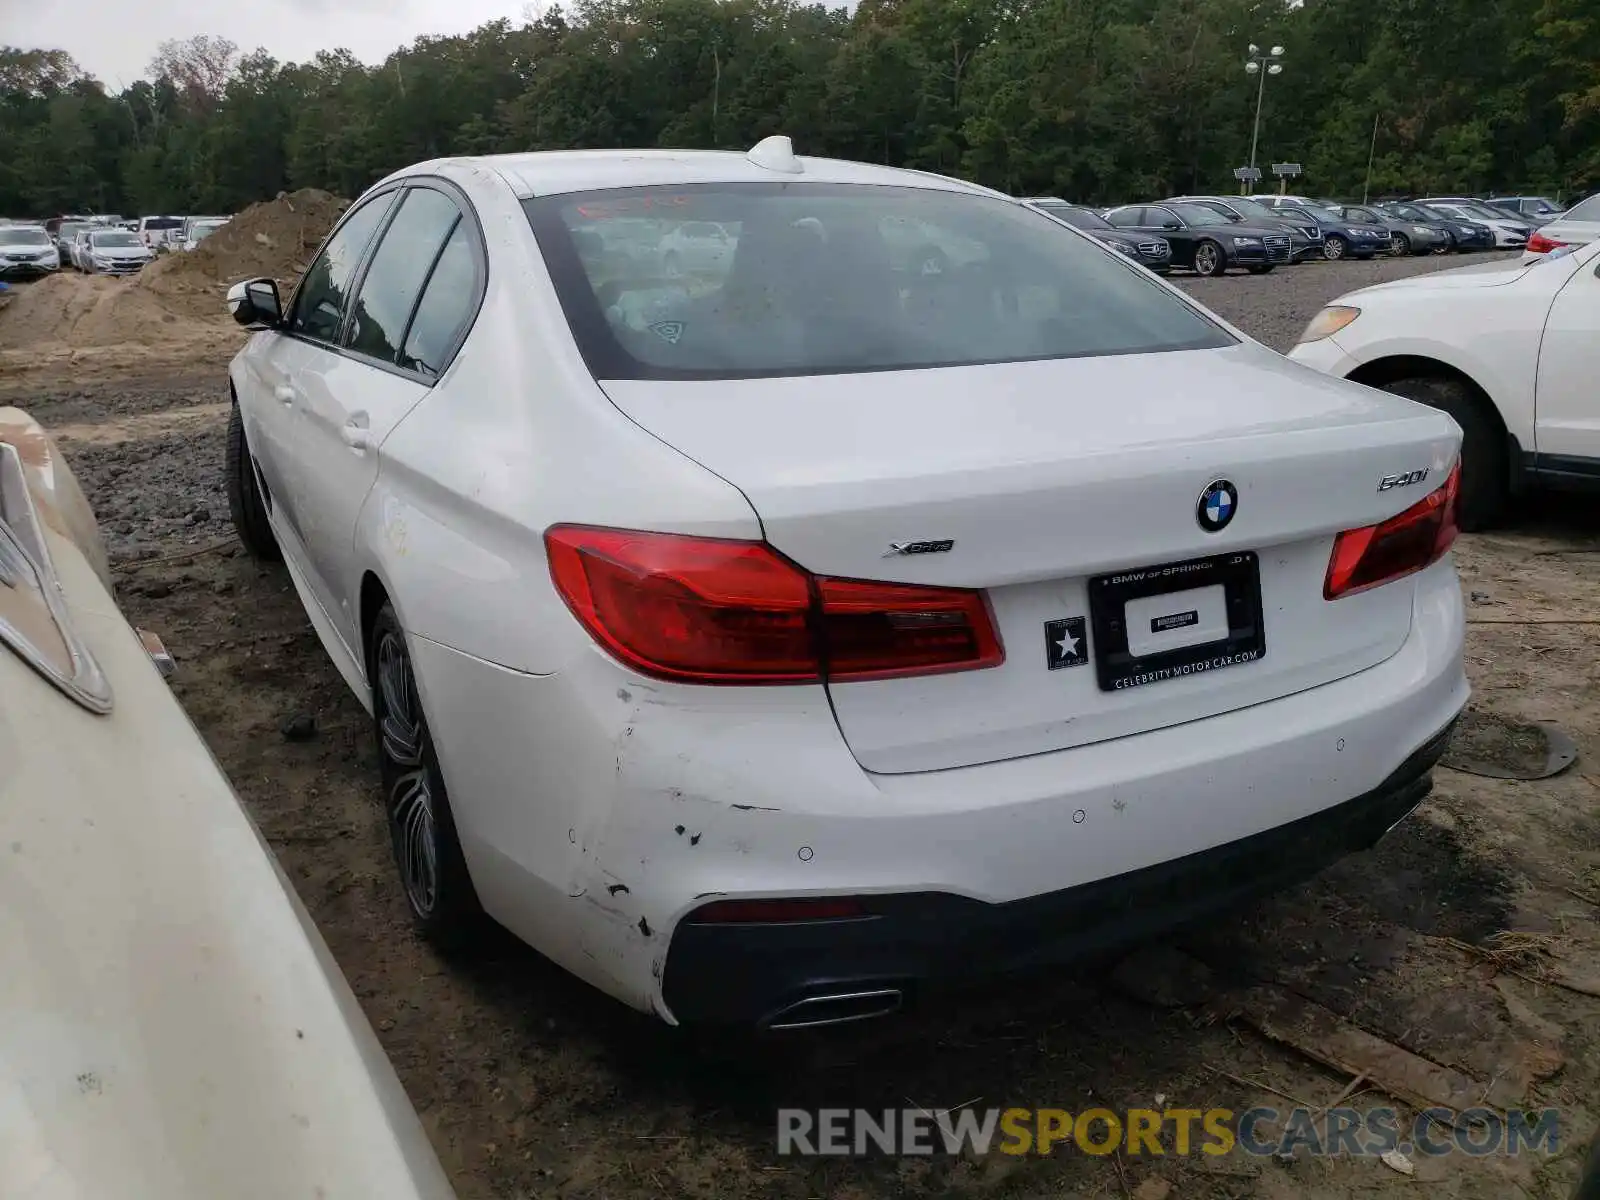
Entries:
{"x":172,"y":312}
{"x":87,"y":324}
{"x":275,"y":237}
{"x":82,"y":311}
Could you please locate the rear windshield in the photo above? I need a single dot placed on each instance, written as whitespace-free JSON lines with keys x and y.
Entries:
{"x":1584,"y":210}
{"x":24,"y":237}
{"x":827,"y":279}
{"x":163,"y":222}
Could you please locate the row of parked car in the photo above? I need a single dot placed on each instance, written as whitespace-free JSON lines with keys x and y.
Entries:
{"x":1211,"y":234}
{"x":103,"y":244}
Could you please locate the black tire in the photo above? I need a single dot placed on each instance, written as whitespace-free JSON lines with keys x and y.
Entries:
{"x":1266,"y":270}
{"x":1210,"y":259}
{"x":1485,"y":471}
{"x":1334,"y":247}
{"x":1446,"y":246}
{"x":245,"y":503}
{"x":1399,"y":245}
{"x":422,"y":830}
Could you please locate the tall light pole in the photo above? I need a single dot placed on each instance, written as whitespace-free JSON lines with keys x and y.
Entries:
{"x":1261,"y":64}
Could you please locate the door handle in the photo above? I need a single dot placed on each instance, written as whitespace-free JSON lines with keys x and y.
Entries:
{"x":284,"y":393}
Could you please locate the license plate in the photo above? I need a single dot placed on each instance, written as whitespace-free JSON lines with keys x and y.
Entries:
{"x":1176,"y":620}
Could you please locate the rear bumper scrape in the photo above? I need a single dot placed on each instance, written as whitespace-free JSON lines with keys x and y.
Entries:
{"x":751,"y":974}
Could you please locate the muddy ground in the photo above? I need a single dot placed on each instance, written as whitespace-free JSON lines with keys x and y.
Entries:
{"x":531,"y":1085}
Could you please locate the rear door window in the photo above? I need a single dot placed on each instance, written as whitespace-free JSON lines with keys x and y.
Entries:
{"x":399,"y":268}
{"x":320,"y":304}
{"x":448,"y":304}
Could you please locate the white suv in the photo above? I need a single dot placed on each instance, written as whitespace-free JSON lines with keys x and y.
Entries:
{"x":1507,"y":349}
{"x":771,"y":646}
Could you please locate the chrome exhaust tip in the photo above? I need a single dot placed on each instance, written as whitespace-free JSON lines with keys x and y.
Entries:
{"x":837,"y":1008}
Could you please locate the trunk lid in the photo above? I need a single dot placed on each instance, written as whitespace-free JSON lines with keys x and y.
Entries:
{"x":1045,"y":475}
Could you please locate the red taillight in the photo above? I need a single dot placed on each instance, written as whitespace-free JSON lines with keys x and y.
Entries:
{"x":1416,"y":538}
{"x":794,"y":908}
{"x":1539,"y":244}
{"x":709,"y":610}
{"x":877,"y":630}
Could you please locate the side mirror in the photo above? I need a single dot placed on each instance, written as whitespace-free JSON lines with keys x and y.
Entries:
{"x":255,"y":304}
{"x":1171,"y":225}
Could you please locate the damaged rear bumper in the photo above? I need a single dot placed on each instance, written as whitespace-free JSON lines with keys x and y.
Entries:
{"x":599,"y":812}
{"x":824,"y":972}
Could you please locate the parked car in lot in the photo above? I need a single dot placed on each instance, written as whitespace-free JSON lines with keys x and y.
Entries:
{"x":67,"y":233}
{"x":1508,"y":350}
{"x":1148,"y":251}
{"x":171,"y":1023}
{"x":197,"y":229}
{"x":26,"y":252}
{"x":1578,"y":226}
{"x":1204,"y":240}
{"x":53,"y":225}
{"x":112,"y":252}
{"x":73,"y":253}
{"x":1464,"y":235}
{"x":1305,"y":241}
{"x":1340,"y":238}
{"x":1492,"y":208}
{"x":680,"y":687}
{"x":1405,"y":237}
{"x":1509,"y":233}
{"x":157,"y":231}
{"x":1535,"y":210}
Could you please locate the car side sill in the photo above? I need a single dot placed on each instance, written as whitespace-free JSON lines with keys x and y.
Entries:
{"x":1565,"y":470}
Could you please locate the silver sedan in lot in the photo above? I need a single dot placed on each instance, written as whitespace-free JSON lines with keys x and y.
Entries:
{"x":111,"y":252}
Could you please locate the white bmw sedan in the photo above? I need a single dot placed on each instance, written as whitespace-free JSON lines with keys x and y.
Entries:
{"x":771,"y":640}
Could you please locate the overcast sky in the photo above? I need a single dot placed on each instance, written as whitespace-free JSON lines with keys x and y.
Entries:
{"x":114,"y":40}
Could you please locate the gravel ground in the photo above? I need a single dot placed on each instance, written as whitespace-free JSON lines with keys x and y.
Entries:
{"x":532,"y":1085}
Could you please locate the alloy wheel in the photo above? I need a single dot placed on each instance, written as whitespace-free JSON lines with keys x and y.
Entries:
{"x":411,"y":803}
{"x":1205,"y":260}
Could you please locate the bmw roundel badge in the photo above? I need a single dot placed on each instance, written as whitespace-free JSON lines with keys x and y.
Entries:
{"x":1217,"y":505}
